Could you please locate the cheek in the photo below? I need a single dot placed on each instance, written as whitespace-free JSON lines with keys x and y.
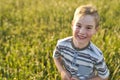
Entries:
{"x":74,"y":28}
{"x":90,"y":34}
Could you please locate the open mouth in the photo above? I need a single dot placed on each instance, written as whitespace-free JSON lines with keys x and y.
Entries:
{"x":81,"y":37}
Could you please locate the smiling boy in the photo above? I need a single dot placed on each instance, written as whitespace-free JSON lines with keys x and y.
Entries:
{"x":76,"y":57}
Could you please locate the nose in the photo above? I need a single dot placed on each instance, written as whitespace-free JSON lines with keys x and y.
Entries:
{"x":82,"y":31}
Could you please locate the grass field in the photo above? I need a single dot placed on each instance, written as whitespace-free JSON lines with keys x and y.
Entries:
{"x":29,"y":30}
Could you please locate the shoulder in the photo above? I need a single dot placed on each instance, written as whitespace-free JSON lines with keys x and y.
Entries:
{"x":95,"y":48}
{"x":97,"y":53}
{"x":64,"y":41}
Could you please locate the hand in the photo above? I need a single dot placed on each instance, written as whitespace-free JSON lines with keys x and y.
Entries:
{"x":96,"y":78}
{"x":74,"y":78}
{"x":65,"y":75}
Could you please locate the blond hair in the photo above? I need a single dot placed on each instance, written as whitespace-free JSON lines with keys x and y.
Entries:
{"x":87,"y":10}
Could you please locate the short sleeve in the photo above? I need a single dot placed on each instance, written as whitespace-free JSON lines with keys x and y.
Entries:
{"x":56,"y":52}
{"x":102,"y":69}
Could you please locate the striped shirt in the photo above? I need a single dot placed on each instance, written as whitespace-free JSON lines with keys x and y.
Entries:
{"x":82,"y":63}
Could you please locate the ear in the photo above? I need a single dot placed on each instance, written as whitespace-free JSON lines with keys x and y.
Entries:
{"x":97,"y":28}
{"x":72,"y":23}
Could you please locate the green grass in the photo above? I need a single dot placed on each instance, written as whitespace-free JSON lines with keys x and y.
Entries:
{"x":29,"y":30}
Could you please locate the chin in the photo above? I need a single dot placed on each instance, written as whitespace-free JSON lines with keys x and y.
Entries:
{"x":82,"y":40}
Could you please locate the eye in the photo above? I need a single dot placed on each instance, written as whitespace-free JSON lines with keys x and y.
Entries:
{"x":89,"y":28}
{"x":78,"y":26}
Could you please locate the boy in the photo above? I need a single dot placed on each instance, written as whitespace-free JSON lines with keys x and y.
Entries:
{"x":76,"y":57}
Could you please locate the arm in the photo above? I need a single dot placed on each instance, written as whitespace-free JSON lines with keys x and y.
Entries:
{"x":58,"y":64}
{"x":102,"y":70}
{"x":64,"y":74}
{"x":98,"y":78}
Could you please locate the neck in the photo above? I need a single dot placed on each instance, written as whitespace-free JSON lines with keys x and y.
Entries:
{"x":79,"y":45}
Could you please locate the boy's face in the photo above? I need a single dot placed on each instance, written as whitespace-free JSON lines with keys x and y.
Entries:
{"x":83,"y":29}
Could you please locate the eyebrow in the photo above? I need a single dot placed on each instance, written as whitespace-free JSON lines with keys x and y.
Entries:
{"x":89,"y":26}
{"x":78,"y":23}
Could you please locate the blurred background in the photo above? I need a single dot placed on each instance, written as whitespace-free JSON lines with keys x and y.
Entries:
{"x":29,"y":30}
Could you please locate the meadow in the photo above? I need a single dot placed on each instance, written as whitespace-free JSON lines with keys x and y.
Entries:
{"x":29,"y":30}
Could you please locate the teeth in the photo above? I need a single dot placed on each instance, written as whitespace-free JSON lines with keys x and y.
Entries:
{"x":81,"y":37}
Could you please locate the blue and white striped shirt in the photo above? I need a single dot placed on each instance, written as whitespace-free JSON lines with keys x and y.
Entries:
{"x":82,"y":63}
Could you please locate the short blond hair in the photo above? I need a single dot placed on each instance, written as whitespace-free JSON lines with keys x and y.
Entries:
{"x":87,"y":10}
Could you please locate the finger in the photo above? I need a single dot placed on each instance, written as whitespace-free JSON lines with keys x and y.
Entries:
{"x":73,"y":78}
